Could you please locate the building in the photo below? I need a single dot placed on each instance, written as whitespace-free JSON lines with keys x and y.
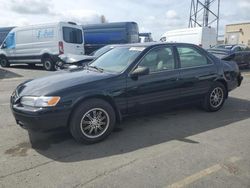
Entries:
{"x":238,"y":33}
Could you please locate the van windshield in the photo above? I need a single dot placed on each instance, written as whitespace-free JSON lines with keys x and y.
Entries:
{"x":117,"y":59}
{"x":72,"y":35}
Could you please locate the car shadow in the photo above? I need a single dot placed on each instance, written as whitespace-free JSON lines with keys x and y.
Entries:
{"x":4,"y":74}
{"x":141,"y":132}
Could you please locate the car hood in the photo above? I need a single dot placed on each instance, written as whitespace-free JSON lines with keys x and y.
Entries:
{"x":72,"y":58}
{"x":59,"y":81}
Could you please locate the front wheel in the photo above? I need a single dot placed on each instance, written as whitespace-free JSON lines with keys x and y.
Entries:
{"x":215,"y":98}
{"x":92,"y":121}
{"x":4,"y":62}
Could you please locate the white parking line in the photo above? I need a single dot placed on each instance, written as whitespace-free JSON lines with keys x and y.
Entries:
{"x":13,"y":79}
{"x":5,"y":104}
{"x":190,"y":179}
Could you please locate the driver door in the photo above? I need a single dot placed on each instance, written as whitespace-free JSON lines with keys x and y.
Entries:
{"x":160,"y":85}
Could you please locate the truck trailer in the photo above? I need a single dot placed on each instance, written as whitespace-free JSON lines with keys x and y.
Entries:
{"x":99,"y":35}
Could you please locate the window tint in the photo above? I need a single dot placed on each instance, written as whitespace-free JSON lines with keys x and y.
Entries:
{"x":190,"y":57}
{"x":72,"y":35}
{"x":159,"y":59}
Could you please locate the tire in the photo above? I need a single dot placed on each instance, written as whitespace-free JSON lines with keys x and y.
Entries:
{"x":4,"y":62}
{"x":48,"y":64}
{"x":99,"y":118}
{"x":215,"y":97}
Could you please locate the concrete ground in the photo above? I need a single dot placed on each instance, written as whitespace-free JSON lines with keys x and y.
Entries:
{"x":185,"y":147}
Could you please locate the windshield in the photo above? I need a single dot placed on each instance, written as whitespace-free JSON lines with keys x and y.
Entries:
{"x":223,"y":47}
{"x":117,"y":59}
{"x":101,"y":51}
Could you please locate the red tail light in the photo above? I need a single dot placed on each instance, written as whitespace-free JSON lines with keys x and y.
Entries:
{"x":60,"y":45}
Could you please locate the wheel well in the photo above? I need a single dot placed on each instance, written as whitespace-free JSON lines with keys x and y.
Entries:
{"x":2,"y":55}
{"x":45,"y":56}
{"x":225,"y":84}
{"x":105,"y":98}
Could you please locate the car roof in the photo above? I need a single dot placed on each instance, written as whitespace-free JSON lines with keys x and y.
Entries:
{"x":149,"y":44}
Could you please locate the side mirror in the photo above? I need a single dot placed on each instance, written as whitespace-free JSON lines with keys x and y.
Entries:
{"x":139,"y":71}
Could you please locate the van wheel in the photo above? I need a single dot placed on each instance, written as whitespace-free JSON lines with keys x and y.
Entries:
{"x":215,"y":98}
{"x":4,"y":62}
{"x":48,"y":64}
{"x":92,"y":121}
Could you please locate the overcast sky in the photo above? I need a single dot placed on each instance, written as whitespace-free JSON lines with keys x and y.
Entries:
{"x":156,"y":16}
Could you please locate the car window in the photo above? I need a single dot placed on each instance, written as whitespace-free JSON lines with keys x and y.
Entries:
{"x":159,"y":59}
{"x":117,"y":59}
{"x":236,"y":49}
{"x":72,"y":35}
{"x":10,"y":41}
{"x":190,"y":57}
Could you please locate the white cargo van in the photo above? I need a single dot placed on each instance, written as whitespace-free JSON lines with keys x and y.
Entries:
{"x":201,"y":36}
{"x":41,"y":44}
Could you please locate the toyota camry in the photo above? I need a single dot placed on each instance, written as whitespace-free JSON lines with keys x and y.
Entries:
{"x":91,"y":100}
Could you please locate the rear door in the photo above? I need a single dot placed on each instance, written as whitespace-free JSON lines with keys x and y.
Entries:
{"x":197,"y":71}
{"x":72,"y":36}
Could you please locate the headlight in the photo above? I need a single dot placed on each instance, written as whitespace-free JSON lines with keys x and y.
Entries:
{"x":42,"y":101}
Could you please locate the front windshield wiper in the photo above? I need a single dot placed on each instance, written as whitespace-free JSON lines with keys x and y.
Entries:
{"x":96,"y":68}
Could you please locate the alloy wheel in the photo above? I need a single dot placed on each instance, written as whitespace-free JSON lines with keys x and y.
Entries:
{"x":95,"y":122}
{"x":216,"y":97}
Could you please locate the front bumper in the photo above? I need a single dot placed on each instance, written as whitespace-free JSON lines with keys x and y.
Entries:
{"x":40,"y":119}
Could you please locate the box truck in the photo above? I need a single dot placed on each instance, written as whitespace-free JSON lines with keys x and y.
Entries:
{"x":41,"y":44}
{"x":202,"y":36}
{"x":99,"y":35}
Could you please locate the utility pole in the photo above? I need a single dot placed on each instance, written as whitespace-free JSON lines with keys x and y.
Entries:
{"x":204,"y":13}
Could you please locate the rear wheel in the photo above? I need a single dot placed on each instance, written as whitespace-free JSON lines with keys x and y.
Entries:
{"x":92,"y":121}
{"x":215,"y":97}
{"x":4,"y":62}
{"x":48,"y":64}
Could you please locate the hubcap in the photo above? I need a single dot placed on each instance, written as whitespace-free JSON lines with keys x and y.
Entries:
{"x":94,"y":123}
{"x":216,"y":97}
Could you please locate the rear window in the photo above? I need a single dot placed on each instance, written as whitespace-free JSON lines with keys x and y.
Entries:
{"x":72,"y":35}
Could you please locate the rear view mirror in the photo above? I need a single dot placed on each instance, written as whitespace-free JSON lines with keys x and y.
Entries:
{"x":139,"y":71}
